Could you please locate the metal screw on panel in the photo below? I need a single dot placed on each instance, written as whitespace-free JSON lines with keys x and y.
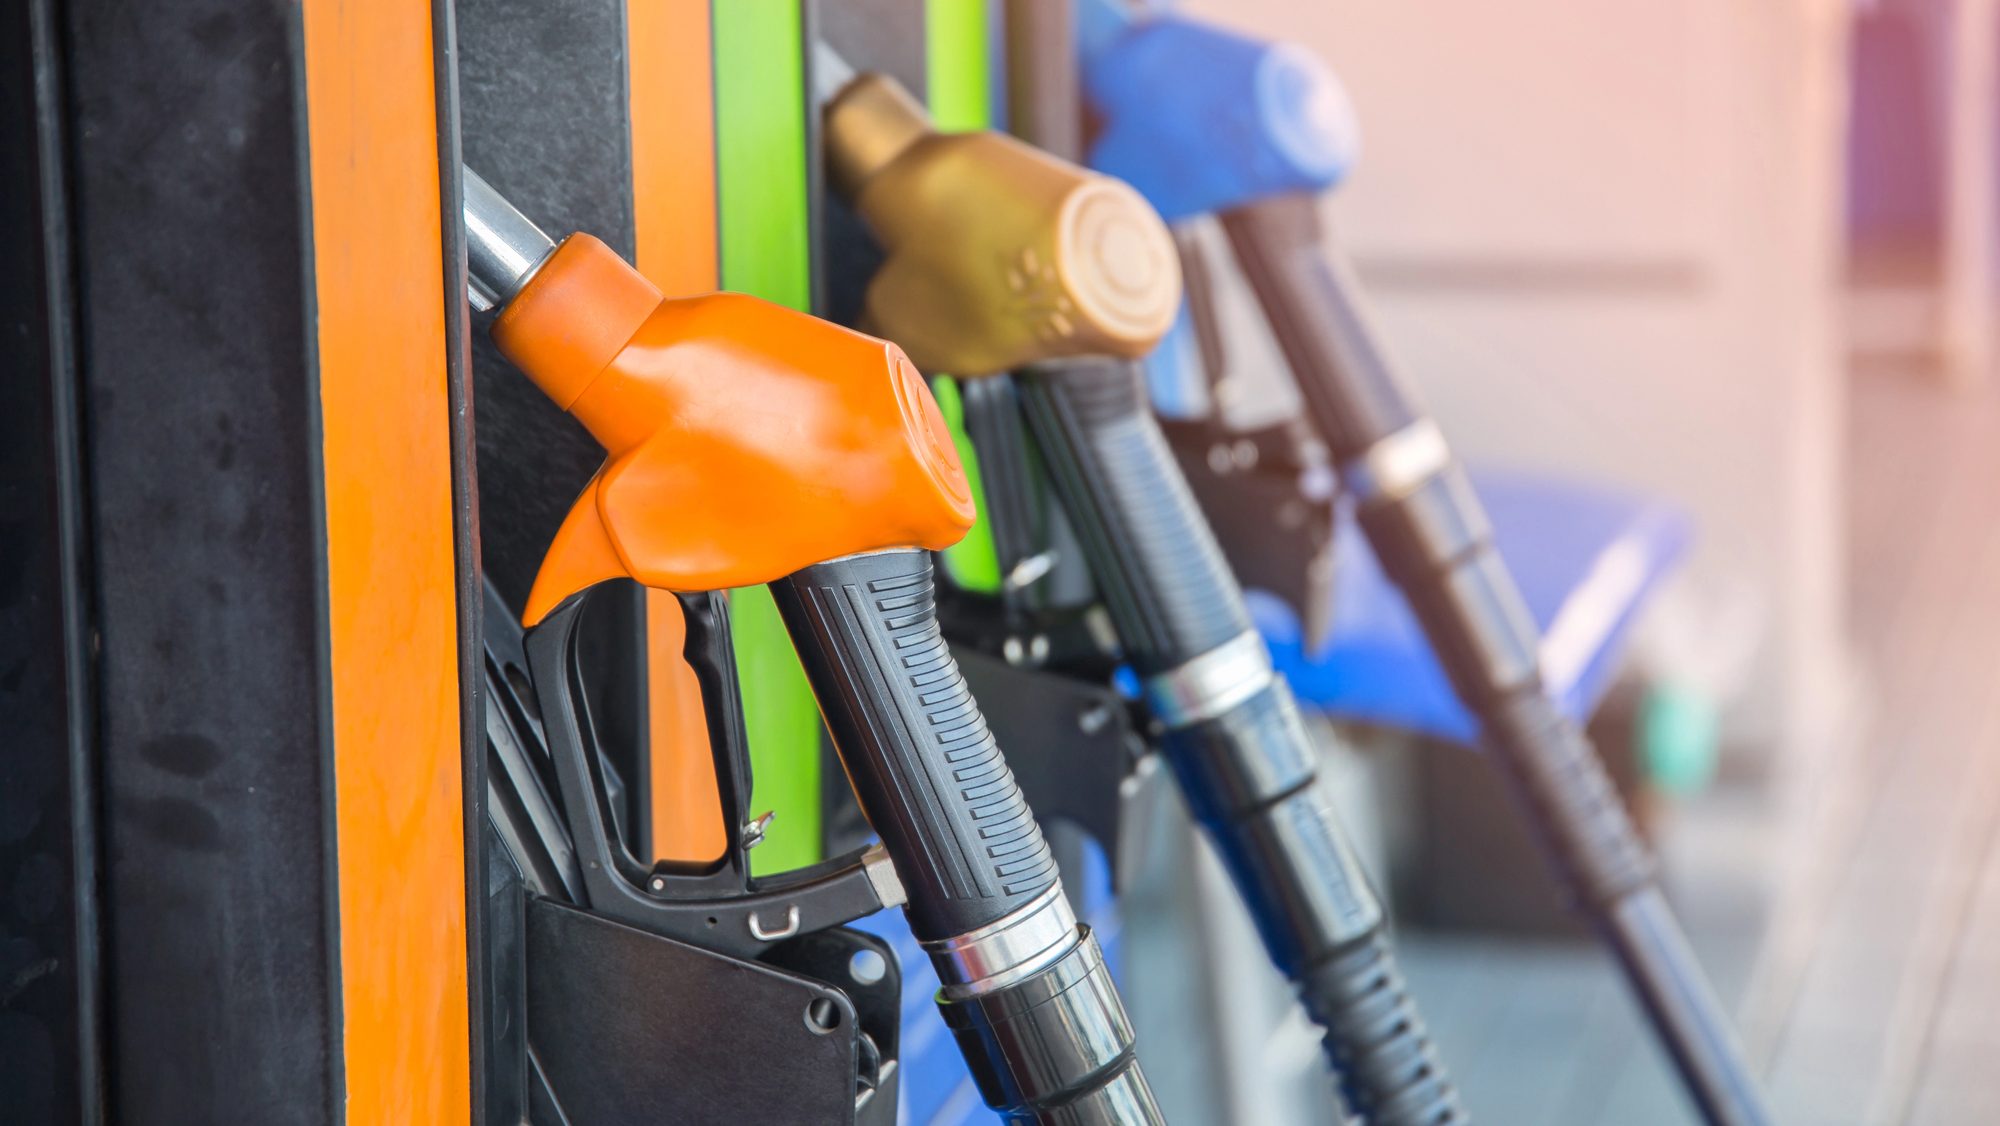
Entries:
{"x":1093,"y":719}
{"x":1229,"y":392}
{"x":867,"y":967}
{"x":1030,"y":570}
{"x":1033,"y":651}
{"x":822,"y":1016}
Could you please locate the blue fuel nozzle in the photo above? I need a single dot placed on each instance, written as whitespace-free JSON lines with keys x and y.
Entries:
{"x":1199,"y":119}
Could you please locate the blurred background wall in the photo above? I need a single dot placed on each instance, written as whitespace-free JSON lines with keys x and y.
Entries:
{"x":1744,"y":257}
{"x":1606,"y":241}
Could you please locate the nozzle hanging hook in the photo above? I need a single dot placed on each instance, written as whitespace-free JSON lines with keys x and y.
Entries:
{"x":503,"y":248}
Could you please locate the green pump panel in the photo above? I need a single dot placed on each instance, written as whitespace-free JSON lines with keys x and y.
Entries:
{"x":764,"y":241}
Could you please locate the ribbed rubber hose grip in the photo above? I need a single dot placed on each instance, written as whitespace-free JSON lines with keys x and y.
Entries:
{"x":1388,"y":1074}
{"x":1250,"y":773}
{"x":1164,"y":579}
{"x":1250,"y":778}
{"x":1590,"y":836}
{"x":1436,"y":544}
{"x":923,"y":765}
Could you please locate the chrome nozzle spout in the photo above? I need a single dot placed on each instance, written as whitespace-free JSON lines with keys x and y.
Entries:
{"x":503,"y":248}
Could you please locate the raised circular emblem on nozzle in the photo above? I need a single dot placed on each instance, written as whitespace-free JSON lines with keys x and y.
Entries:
{"x":1307,"y":112}
{"x":1119,"y":262}
{"x":929,"y":435}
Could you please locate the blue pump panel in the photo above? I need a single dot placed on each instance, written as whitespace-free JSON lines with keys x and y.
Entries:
{"x":1587,"y":559}
{"x":1199,"y":119}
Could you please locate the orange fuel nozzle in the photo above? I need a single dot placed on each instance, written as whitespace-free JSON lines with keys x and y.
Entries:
{"x":746,"y":440}
{"x":997,"y":255}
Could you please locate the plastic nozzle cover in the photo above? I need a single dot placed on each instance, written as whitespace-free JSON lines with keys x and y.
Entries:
{"x":746,"y":440}
{"x":998,"y":255}
{"x":1200,"y":119}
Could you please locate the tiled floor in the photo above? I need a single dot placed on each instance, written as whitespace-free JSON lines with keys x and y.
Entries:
{"x":1869,"y":987}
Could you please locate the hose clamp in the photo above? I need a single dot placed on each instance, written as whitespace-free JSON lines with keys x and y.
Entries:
{"x":1211,"y":684}
{"x":1059,"y":1046}
{"x":1019,"y":945}
{"x":1399,"y":464}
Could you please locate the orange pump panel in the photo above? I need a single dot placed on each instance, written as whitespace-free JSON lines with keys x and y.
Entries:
{"x":686,"y":810}
{"x":670,"y":84}
{"x":385,"y":438}
{"x":747,"y":440}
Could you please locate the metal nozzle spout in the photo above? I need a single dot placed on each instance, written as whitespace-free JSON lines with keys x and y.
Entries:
{"x":503,"y":248}
{"x":831,"y":72}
